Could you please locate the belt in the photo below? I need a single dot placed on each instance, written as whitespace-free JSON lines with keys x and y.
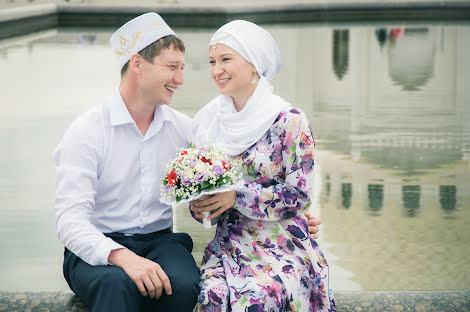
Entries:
{"x":139,"y":235}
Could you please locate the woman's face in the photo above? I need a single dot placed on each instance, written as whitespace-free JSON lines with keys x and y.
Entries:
{"x":231,"y":73}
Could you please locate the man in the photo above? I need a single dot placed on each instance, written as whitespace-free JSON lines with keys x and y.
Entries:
{"x":121,"y":254}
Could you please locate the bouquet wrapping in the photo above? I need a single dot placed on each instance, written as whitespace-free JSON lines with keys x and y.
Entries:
{"x":196,"y":173}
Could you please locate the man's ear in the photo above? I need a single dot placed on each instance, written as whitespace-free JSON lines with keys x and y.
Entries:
{"x":135,"y":62}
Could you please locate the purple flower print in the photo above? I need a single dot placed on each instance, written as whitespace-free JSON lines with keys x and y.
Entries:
{"x":298,"y":243}
{"x":297,"y":232}
{"x":285,"y":244}
{"x":288,"y":268}
{"x":214,"y":297}
{"x":295,"y":111}
{"x":200,"y":177}
{"x":259,"y":307}
{"x":301,"y":182}
{"x":218,"y":170}
{"x":276,"y":156}
{"x":307,"y":163}
{"x":288,"y":142}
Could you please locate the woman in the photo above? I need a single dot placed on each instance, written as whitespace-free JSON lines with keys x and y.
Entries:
{"x":262,"y":257}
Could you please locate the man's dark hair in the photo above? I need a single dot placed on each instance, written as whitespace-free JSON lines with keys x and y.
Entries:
{"x":154,"y":49}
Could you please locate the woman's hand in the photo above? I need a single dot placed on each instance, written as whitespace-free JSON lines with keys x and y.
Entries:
{"x":218,"y":203}
{"x":313,"y":225}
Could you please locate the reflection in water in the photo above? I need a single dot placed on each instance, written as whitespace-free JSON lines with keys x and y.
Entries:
{"x":447,"y":197}
{"x":87,"y":39}
{"x":340,"y":52}
{"x":373,"y":140}
{"x":410,"y":197}
{"x":376,"y":197}
{"x":346,"y":194}
{"x":411,"y":57}
{"x":381,"y":35}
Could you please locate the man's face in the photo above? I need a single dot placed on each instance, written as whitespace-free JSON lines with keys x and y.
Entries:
{"x":160,"y":79}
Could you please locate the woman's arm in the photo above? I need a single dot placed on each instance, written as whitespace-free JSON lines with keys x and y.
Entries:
{"x":292,"y":197}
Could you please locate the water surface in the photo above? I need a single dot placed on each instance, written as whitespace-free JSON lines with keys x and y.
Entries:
{"x":389,"y":106}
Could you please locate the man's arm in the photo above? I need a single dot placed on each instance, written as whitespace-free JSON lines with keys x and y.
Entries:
{"x":146,"y":274}
{"x":77,"y":158}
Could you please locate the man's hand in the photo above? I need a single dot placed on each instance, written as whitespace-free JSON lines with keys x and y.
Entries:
{"x":313,"y":225}
{"x":146,"y":274}
{"x":218,"y":203}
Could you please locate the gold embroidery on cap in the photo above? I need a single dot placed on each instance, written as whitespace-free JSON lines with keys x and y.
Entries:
{"x":127,"y":45}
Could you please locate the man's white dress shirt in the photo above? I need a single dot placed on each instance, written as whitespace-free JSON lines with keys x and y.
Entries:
{"x":109,"y":176}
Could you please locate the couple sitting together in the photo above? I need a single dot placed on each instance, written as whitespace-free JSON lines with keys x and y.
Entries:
{"x":120,"y":251}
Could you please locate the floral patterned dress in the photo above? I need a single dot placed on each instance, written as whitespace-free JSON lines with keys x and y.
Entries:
{"x":262,"y":257}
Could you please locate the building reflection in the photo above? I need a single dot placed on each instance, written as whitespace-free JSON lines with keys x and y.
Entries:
{"x":447,"y":197}
{"x":376,"y":195}
{"x":411,"y":57}
{"x":410,"y":197}
{"x":346,"y":195}
{"x":340,"y":52}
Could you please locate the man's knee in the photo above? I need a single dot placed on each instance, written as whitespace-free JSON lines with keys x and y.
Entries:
{"x":114,"y":282}
{"x":185,"y":291}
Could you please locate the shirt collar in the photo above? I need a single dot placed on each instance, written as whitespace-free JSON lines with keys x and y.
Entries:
{"x":160,"y":115}
{"x":118,"y":112}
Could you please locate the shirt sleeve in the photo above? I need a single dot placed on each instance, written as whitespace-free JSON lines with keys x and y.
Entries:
{"x":291,"y":197}
{"x":76,"y":158}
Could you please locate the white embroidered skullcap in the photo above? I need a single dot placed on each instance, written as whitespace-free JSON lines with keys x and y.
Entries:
{"x":137,"y":34}
{"x":253,"y":43}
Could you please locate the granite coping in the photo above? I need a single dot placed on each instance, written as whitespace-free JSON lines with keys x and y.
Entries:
{"x":459,"y":8}
{"x":400,"y":301}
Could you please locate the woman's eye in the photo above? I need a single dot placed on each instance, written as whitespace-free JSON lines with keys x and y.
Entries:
{"x":212,"y":62}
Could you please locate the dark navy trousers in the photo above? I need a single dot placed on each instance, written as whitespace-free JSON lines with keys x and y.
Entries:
{"x":108,"y":288}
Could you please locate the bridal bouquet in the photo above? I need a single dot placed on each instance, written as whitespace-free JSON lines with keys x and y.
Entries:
{"x":197,"y":173}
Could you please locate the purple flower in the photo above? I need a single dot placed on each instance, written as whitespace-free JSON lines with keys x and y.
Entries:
{"x":185,"y":181}
{"x":218,"y":170}
{"x":200,"y":177}
{"x":202,"y":151}
{"x":167,"y":188}
{"x":193,"y":162}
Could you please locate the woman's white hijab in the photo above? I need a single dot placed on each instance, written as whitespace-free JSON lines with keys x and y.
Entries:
{"x":218,"y":122}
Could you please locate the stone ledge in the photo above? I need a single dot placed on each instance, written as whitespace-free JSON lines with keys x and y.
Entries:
{"x":425,"y":301}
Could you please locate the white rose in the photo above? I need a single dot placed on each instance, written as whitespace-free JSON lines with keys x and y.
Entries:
{"x":189,"y":173}
{"x":200,"y":167}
